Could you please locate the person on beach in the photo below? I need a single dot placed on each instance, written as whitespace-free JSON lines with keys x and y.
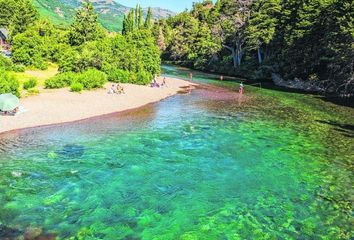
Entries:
{"x":119,"y":89}
{"x":112,"y":89}
{"x":154,"y":83}
{"x":163,"y":82}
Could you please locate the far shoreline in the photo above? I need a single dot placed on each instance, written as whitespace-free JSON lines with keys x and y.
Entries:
{"x":52,"y":107}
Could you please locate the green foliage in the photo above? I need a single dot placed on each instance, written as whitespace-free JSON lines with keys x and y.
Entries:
{"x":61,"y":80}
{"x":92,"y":78}
{"x":8,"y":83}
{"x":22,"y":16}
{"x":85,"y":49}
{"x":32,"y":92}
{"x":143,"y":78}
{"x":128,"y":22}
{"x":18,"y":68}
{"x":31,"y":83}
{"x":148,"y":20}
{"x":76,"y":87}
{"x":296,"y":39}
{"x":85,"y":27}
{"x":68,"y":59}
{"x":28,"y":49}
{"x":119,"y":75}
{"x":7,"y":10}
{"x":135,"y":20}
{"x":5,"y":63}
{"x":148,"y":52}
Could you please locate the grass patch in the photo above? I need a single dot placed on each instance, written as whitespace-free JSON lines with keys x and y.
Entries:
{"x":39,"y":75}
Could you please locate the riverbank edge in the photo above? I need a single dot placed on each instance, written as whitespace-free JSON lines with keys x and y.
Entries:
{"x":176,"y":90}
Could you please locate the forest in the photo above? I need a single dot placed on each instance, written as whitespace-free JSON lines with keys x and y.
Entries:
{"x":312,"y":41}
{"x":308,"y":41}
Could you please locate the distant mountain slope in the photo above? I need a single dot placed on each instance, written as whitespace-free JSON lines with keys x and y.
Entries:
{"x":110,"y":12}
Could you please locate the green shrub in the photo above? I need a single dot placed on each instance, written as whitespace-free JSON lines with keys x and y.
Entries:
{"x":8,"y":83}
{"x":5,"y":63}
{"x":32,"y":92}
{"x":118,"y":75}
{"x":61,"y":80}
{"x":41,"y":65}
{"x":143,"y":78}
{"x":76,"y":87}
{"x":92,"y":78}
{"x":31,"y":83}
{"x":19,"y":68}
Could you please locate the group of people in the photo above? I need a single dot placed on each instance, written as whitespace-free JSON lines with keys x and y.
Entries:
{"x":13,"y":112}
{"x":118,"y":89}
{"x":155,"y":84}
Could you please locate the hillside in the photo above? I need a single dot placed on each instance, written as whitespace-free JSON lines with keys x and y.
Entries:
{"x":110,"y":12}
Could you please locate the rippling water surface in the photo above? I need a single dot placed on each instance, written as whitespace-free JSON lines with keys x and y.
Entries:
{"x":203,"y":165}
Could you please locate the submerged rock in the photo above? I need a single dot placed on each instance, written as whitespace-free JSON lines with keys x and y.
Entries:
{"x":72,"y":151}
{"x":9,"y":233}
{"x":32,"y":233}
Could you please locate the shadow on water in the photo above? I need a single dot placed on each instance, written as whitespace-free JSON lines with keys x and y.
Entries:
{"x":346,"y":130}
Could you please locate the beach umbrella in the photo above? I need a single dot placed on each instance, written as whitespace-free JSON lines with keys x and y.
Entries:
{"x":8,"y":102}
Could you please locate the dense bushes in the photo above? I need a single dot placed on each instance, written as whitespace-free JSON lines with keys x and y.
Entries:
{"x":31,"y":83}
{"x":5,"y":63}
{"x":61,"y":80}
{"x":118,"y":75}
{"x":143,"y":78}
{"x":76,"y":87}
{"x":91,"y":78}
{"x":28,"y":49}
{"x":8,"y":83}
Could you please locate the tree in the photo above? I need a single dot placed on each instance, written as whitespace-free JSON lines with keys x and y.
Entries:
{"x":28,"y":49}
{"x":85,"y":27}
{"x":140,"y":19}
{"x":7,"y":11}
{"x":24,"y":15}
{"x":233,"y":16}
{"x":161,"y":40}
{"x":148,"y":20}
{"x":262,"y":24}
{"x":128,"y":23}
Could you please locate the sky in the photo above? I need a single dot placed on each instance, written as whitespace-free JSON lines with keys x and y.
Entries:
{"x":174,"y":5}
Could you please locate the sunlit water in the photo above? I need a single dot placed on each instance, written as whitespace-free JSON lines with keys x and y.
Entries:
{"x":203,"y":165}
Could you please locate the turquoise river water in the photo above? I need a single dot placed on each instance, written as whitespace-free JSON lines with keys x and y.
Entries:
{"x":200,"y":165}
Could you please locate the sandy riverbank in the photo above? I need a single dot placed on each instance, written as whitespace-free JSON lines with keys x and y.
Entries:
{"x":59,"y":106}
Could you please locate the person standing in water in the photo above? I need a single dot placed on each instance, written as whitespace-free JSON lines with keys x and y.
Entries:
{"x":190,"y":76}
{"x":221,"y":77}
{"x":241,"y":90}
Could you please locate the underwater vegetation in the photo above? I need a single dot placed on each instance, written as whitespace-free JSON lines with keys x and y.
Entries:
{"x":279,"y":167}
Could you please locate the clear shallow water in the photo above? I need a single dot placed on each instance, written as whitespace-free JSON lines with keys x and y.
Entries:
{"x":196,"y":166}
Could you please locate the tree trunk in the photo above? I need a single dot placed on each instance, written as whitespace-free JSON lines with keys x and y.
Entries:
{"x":233,"y":54}
{"x":259,"y":55}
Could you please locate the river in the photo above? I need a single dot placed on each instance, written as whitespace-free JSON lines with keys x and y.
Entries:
{"x":204,"y":164}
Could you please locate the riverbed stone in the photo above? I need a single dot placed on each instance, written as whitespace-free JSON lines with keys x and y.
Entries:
{"x":32,"y":233}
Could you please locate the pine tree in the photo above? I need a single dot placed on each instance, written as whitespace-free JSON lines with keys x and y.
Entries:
{"x":85,"y":27}
{"x":24,"y":15}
